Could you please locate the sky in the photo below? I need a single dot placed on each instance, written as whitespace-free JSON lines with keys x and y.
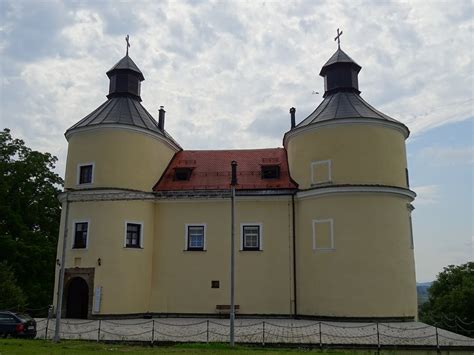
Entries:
{"x":227,"y":73}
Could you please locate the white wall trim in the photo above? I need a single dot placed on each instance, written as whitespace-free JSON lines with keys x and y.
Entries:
{"x":73,"y":229}
{"x":142,"y":227}
{"x":401,"y":192}
{"x":331,"y":223}
{"x":345,"y":121}
{"x":321,"y":162}
{"x":78,"y":173}
{"x":259,"y":224}
{"x":186,"y":234}
{"x":160,"y":137}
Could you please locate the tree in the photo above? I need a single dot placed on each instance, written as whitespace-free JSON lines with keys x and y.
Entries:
{"x":451,"y":300}
{"x":29,"y":218}
{"x":12,"y":296}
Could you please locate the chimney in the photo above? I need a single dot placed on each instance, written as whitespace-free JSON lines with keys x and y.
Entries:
{"x":161,"y":118}
{"x":292,"y":113}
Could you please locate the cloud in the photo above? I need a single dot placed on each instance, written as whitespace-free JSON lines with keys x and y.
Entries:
{"x":229,"y":69}
{"x":448,"y":156}
{"x":427,"y":194}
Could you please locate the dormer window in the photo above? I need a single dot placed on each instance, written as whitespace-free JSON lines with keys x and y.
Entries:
{"x":270,"y":172}
{"x":182,"y":174}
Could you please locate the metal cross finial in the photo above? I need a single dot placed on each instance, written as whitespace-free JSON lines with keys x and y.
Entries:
{"x":128,"y":43}
{"x":338,"y":38}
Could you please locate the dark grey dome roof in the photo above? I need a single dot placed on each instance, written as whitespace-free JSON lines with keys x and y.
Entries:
{"x":126,"y":63}
{"x":340,"y":57}
{"x":344,"y":104}
{"x":122,"y":110}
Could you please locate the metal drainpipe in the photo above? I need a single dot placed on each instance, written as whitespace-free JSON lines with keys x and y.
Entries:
{"x":294,"y":253}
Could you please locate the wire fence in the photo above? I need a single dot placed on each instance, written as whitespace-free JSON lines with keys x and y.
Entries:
{"x":250,"y":331}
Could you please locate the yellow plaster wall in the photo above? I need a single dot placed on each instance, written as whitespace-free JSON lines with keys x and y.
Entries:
{"x":125,"y":273}
{"x":182,"y":279}
{"x":371,"y":272}
{"x":359,"y":154}
{"x":122,"y":158}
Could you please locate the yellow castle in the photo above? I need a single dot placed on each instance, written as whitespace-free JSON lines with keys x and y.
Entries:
{"x":323,"y":224}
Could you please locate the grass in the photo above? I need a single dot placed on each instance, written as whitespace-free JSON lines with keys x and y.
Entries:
{"x":73,"y":347}
{"x":30,"y":347}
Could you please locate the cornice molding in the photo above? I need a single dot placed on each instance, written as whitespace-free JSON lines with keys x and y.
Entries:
{"x":379,"y":189}
{"x":104,"y":195}
{"x":173,"y":145}
{"x":86,"y":195}
{"x":345,"y":121}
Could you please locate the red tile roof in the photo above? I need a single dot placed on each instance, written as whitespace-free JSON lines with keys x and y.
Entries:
{"x":211,"y":170}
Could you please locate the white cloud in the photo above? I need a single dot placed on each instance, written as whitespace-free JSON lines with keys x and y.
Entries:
{"x":448,"y":156}
{"x":427,"y":194}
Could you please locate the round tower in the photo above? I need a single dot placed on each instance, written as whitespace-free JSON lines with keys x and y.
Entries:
{"x":354,"y":249}
{"x":116,"y":154}
{"x":119,"y":145}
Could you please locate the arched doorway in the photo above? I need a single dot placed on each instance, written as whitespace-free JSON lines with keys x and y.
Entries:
{"x":77,"y":304}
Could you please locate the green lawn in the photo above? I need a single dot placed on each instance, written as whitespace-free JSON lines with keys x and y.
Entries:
{"x":67,"y":347}
{"x":19,"y":346}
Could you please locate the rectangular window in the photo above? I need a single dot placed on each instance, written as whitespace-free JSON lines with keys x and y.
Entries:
{"x":195,"y":235}
{"x":251,"y":236}
{"x":270,"y":172}
{"x":321,"y":171}
{"x":215,"y":284}
{"x":80,"y":235}
{"x":134,"y":235}
{"x":85,"y":174}
{"x":182,"y":174}
{"x":323,"y":234}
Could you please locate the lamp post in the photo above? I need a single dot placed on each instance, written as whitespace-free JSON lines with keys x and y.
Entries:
{"x":233,"y":183}
{"x":59,"y":300}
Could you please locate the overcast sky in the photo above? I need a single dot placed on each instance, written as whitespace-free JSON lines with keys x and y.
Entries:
{"x":228,"y":71}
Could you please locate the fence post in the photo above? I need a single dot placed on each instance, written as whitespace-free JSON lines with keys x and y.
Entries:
{"x":263,"y":334}
{"x":378,"y":337}
{"x":437,"y":339}
{"x":153,"y":332}
{"x":98,"y":332}
{"x":207,"y":331}
{"x":46,"y":331}
{"x":320,"y":337}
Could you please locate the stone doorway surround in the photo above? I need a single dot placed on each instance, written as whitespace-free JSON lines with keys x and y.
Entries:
{"x":85,"y":273}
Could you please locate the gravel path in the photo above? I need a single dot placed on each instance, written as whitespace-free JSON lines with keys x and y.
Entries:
{"x":261,"y":331}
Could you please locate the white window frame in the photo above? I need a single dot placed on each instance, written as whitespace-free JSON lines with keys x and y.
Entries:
{"x":78,"y":174}
{"x":204,"y":248}
{"x":253,"y":224}
{"x":141,"y":234}
{"x":321,"y":162}
{"x":331,"y":223}
{"x":74,"y":233}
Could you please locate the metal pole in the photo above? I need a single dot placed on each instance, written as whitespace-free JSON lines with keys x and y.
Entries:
{"x":46,"y":331}
{"x":98,"y":332}
{"x":320,"y":337}
{"x":378,"y":337}
{"x":153,"y":333}
{"x":59,"y":300}
{"x":263,"y":334}
{"x":232,"y":254}
{"x":437,"y":339}
{"x":207,"y":331}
